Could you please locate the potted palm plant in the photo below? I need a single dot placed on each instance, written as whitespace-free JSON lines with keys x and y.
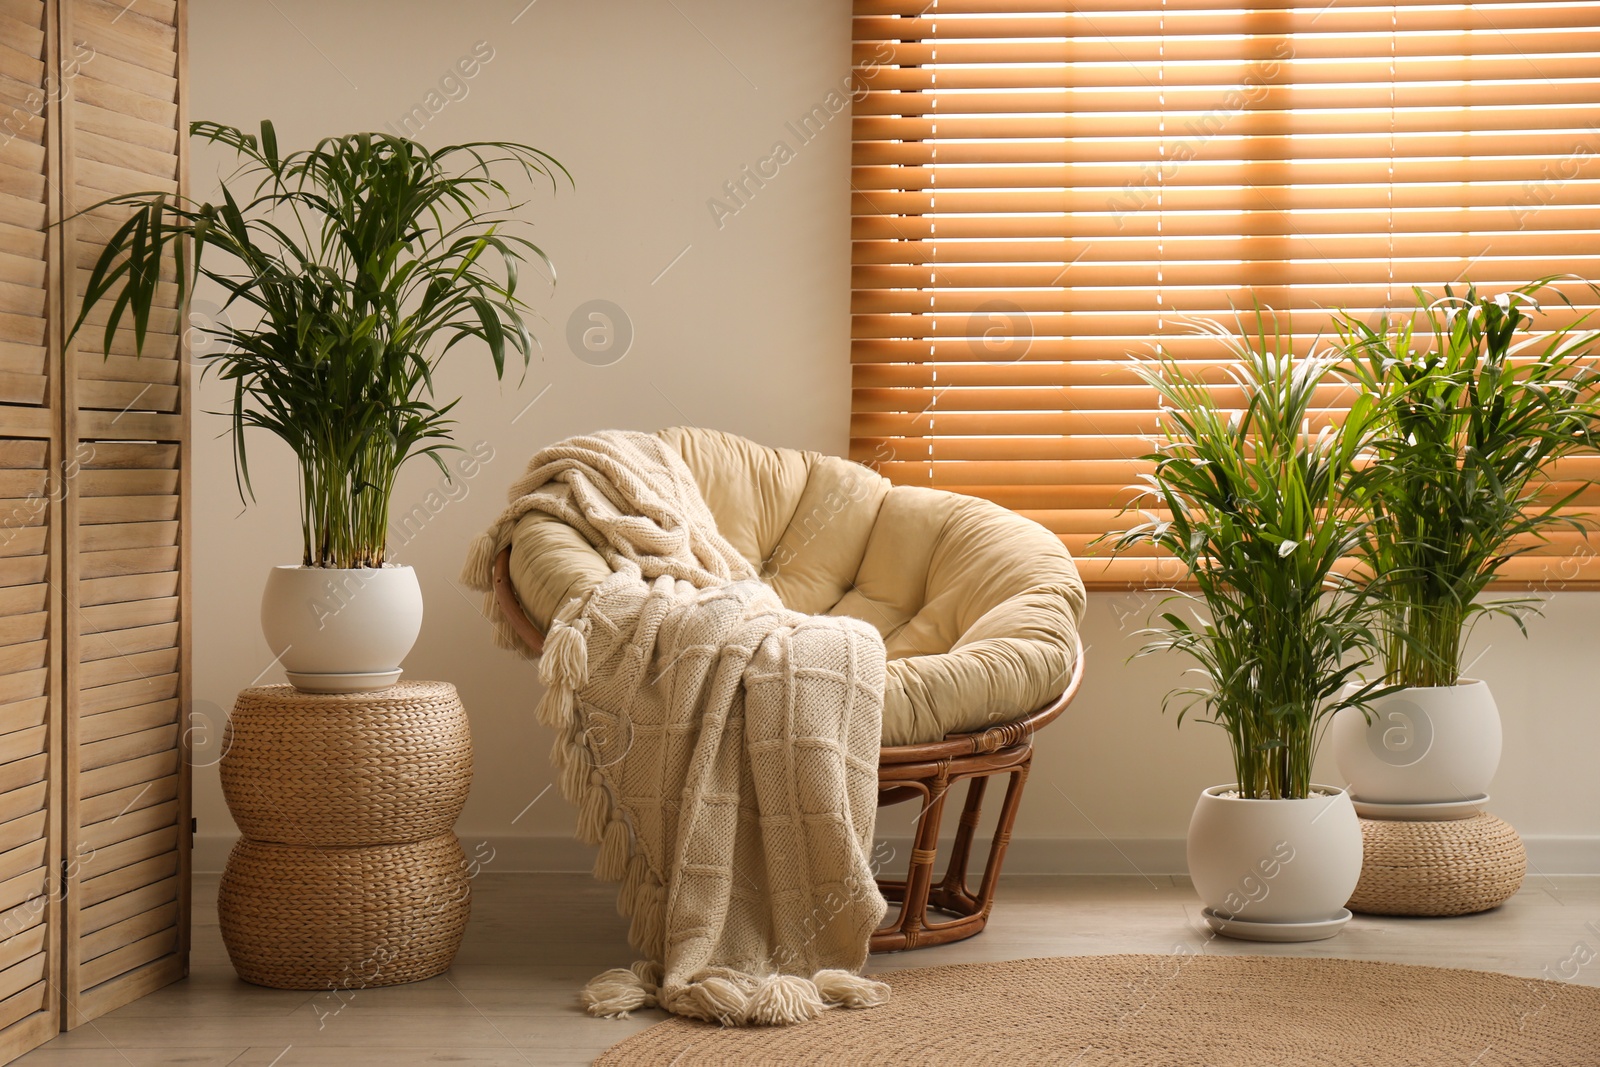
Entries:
{"x":1262,"y":511}
{"x":1477,"y":402}
{"x":358,"y":263}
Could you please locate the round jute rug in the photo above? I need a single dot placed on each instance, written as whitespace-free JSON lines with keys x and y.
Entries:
{"x":1165,"y":1011}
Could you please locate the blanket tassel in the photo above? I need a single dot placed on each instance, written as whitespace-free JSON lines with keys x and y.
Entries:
{"x":478,"y":570}
{"x":572,"y":766}
{"x":615,"y":993}
{"x":566,"y":655}
{"x":846,"y":990}
{"x":593,"y":812}
{"x":612,"y":862}
{"x":647,"y":930}
{"x":634,"y":877}
{"x":557,"y":708}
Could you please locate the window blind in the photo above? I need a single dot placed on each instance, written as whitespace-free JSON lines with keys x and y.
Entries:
{"x":1040,"y":195}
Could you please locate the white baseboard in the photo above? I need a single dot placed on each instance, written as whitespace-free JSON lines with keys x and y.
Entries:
{"x":1150,"y":856}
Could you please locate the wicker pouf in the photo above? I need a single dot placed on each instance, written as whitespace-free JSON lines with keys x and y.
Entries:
{"x":348,"y":873}
{"x":1438,"y":868}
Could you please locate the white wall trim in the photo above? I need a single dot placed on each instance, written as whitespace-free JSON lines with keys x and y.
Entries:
{"x":1151,"y":856}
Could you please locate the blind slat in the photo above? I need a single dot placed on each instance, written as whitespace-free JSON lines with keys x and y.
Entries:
{"x":1119,"y":323}
{"x":1568,"y":113}
{"x":1242,"y":176}
{"x":1136,"y":20}
{"x":1119,"y":74}
{"x":1103,"y":271}
{"x":1245,"y":148}
{"x":1225,"y":96}
{"x":1579,"y":192}
{"x":1000,"y":304}
{"x":1223,"y":47}
{"x":1485,"y":221}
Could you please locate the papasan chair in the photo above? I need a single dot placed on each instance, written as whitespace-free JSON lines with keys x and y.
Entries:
{"x":978,"y":608}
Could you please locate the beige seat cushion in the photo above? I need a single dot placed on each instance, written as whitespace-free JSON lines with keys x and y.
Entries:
{"x":978,"y":607}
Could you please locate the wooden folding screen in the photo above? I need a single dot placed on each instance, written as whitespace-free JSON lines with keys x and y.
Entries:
{"x":94,"y":673}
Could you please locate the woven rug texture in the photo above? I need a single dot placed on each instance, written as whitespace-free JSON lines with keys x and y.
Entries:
{"x":1165,"y":1011}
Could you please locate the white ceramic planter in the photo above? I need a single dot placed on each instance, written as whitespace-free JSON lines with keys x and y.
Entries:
{"x":341,"y":631}
{"x":1424,"y":745}
{"x":1278,"y":870}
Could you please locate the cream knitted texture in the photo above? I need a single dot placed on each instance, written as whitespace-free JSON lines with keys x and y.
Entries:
{"x":631,"y":496}
{"x":722,"y":750}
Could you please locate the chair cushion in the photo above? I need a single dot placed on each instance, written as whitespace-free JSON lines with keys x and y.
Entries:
{"x":978,"y":607}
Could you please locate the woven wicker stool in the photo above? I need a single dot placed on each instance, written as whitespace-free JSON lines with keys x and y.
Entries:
{"x":1438,"y":868}
{"x":348,"y":874}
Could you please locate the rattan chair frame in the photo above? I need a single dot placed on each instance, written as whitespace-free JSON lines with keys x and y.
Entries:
{"x":925,"y":773}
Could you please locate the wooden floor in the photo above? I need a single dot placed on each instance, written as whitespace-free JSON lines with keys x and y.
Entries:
{"x":534,"y":940}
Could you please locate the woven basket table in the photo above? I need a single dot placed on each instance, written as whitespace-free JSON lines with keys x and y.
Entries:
{"x":348,"y":873}
{"x":1438,"y":868}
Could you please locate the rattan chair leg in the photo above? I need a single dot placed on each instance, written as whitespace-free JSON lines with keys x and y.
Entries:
{"x":1002,"y":836}
{"x":919,"y":877}
{"x":914,"y":890}
{"x":953,"y":894}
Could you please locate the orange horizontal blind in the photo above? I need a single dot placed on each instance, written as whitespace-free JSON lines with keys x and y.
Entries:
{"x":1042,"y":195}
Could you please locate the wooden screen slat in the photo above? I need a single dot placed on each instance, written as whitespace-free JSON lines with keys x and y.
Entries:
{"x":24,"y":628}
{"x":124,"y":826}
{"x":108,"y":618}
{"x":24,"y":857}
{"x":126,"y":695}
{"x":130,"y":798}
{"x":134,"y":928}
{"x":127,"y":959}
{"x":26,"y":974}
{"x":22,"y":830}
{"x":118,"y":909}
{"x":127,"y":879}
{"x":19,"y":744}
{"x":28,"y":943}
{"x":25,"y":891}
{"x":1043,"y":196}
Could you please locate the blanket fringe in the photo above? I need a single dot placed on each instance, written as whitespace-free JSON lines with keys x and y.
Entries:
{"x":647,"y":932}
{"x":617,"y":992}
{"x":595,"y":812}
{"x":635,"y":876}
{"x":612,"y":862}
{"x":557,"y":708}
{"x":478,"y":570}
{"x":573,"y":764}
{"x":731,"y":998}
{"x":565,"y":662}
{"x":846,"y":990}
{"x":641,"y":896}
{"x":500,"y":629}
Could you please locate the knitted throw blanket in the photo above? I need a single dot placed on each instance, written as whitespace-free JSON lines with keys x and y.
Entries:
{"x":721,"y":749}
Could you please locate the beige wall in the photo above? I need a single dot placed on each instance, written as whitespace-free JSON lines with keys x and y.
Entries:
{"x":747,"y":331}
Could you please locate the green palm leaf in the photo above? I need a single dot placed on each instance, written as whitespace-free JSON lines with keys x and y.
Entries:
{"x":367,"y":257}
{"x":1472,"y":421}
{"x":1263,"y":512}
